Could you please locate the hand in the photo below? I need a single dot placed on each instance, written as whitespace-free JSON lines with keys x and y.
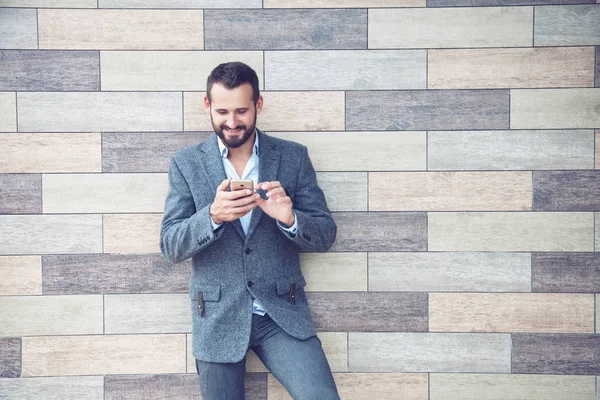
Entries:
{"x":229,"y":206}
{"x":278,"y":205}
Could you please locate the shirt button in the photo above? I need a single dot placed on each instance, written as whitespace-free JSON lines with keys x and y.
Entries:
{"x":248,"y":251}
{"x":250,"y":283}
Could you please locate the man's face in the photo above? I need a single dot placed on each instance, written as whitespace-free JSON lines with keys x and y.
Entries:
{"x":233,"y":113}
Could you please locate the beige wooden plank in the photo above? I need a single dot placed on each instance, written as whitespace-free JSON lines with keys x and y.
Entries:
{"x":180,"y":3}
{"x":510,"y":387}
{"x":50,"y":152}
{"x":8,"y":112}
{"x":357,"y":386}
{"x":326,"y":110}
{"x":147,"y":313}
{"x":450,"y":191}
{"x":344,"y":191}
{"x":511,"y":68}
{"x":450,"y":27}
{"x":511,"y":312}
{"x":511,"y":231}
{"x":120,"y":29}
{"x":103,"y":354}
{"x":21,"y":275}
{"x":50,"y":315}
{"x":342,"y":3}
{"x":54,"y":388}
{"x":449,"y":272}
{"x":51,"y":3}
{"x":554,"y":108}
{"x":131,"y":233}
{"x":50,"y":234}
{"x":104,"y":193}
{"x":334,"y":271}
{"x":168,"y":70}
{"x":353,"y":151}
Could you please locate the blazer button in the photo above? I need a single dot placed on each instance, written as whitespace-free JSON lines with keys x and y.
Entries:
{"x":250,"y":283}
{"x":248,"y":251}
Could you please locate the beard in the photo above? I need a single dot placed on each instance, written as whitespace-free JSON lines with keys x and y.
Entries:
{"x":236,"y":141}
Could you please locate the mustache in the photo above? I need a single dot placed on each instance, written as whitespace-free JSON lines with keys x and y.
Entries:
{"x":233,"y":129}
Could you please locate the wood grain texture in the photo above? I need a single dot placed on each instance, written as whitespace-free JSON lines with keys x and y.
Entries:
{"x":51,"y":315}
{"x":269,"y":29}
{"x":511,"y":68}
{"x":353,"y":151}
{"x":10,"y":357}
{"x":510,"y":150}
{"x":567,"y":25}
{"x":50,"y":152}
{"x":597,"y":154}
{"x":179,"y":4}
{"x":597,"y":66}
{"x":342,"y":3}
{"x":357,"y":386}
{"x":18,"y":29}
{"x":566,"y":190}
{"x":147,"y":313}
{"x":334,"y":272}
{"x":511,"y":312}
{"x":597,"y":232}
{"x":429,"y":352}
{"x":565,"y":354}
{"x":21,"y":275}
{"x":565,"y":272}
{"x":450,"y":28}
{"x":173,"y":386}
{"x":104,"y":193}
{"x":120,"y":29}
{"x":509,"y":387}
{"x":344,"y":191}
{"x":168,"y":70}
{"x":8,"y":112}
{"x":54,"y":388}
{"x":346,"y":70}
{"x":441,"y":272}
{"x":113,"y":274}
{"x":95,"y":111}
{"x":554,"y":108}
{"x":50,"y":234}
{"x":450,"y":191}
{"x":51,"y":71}
{"x":427,"y":110}
{"x":144,"y":151}
{"x":380,"y":231}
{"x":326,"y":110}
{"x":369,"y":311}
{"x":511,"y":231}
{"x":51,"y":3}
{"x":131,"y":233}
{"x":488,"y":3}
{"x":597,"y":314}
{"x":103,"y":355}
{"x":20,"y":193}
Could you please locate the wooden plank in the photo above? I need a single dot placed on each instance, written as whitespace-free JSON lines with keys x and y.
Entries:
{"x":20,"y":193}
{"x":18,"y":29}
{"x":10,"y":357}
{"x":565,"y":272}
{"x":131,"y":233}
{"x":566,"y":190}
{"x":21,"y":275}
{"x":55,"y":388}
{"x":567,"y":25}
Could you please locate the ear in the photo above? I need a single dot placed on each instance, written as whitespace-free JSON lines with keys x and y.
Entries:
{"x":259,"y":105}
{"x":206,"y":104}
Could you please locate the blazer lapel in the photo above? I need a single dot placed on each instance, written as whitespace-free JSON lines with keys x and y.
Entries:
{"x":269,"y":156}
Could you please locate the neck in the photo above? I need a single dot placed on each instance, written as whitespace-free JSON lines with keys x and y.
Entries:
{"x":244,"y":152}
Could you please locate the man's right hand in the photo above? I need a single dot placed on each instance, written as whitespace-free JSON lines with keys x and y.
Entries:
{"x":229,"y":206}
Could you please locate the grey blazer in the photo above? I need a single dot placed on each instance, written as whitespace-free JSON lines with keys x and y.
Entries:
{"x":228,"y":267}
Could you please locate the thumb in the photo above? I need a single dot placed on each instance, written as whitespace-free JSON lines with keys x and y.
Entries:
{"x":224,"y":185}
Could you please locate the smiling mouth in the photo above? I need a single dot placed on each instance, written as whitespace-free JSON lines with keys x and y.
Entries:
{"x":236,"y":130}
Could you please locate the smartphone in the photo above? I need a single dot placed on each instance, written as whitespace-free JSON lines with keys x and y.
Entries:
{"x":239,"y":184}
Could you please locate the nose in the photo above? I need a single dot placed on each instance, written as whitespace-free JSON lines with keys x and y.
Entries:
{"x":232,"y":121}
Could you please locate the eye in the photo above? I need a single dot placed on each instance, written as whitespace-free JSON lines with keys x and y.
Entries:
{"x":242,"y":111}
{"x":221,"y":112}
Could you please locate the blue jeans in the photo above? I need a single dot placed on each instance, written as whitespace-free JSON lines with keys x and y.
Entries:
{"x":300,"y":366}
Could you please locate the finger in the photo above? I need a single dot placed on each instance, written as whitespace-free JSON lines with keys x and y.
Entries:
{"x":238,"y":194}
{"x":283,"y":200}
{"x":224,"y":185}
{"x":242,"y":201}
{"x":275,"y":192}
{"x":269,"y":185}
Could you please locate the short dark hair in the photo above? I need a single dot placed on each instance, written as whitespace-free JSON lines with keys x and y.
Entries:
{"x":232,"y":75}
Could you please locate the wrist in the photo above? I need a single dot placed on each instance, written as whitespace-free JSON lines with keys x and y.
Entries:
{"x":213,"y":217}
{"x":290,"y":221}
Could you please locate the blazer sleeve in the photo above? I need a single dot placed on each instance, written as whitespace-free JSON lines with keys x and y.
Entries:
{"x":184,"y":230}
{"x":316,"y":228}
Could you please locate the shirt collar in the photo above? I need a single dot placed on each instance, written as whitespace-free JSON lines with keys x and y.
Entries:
{"x":225,"y":151}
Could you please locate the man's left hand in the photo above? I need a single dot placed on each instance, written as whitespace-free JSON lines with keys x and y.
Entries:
{"x":278,"y":205}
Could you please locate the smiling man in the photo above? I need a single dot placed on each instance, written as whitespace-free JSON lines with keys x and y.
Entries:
{"x":246,"y":287}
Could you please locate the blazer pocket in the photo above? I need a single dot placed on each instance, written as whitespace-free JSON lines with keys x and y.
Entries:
{"x":202,"y":293}
{"x":289,"y":286}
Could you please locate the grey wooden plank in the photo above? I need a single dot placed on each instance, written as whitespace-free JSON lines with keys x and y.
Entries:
{"x":380,"y":231}
{"x":597,"y":66}
{"x":41,"y":70}
{"x":597,"y":232}
{"x":567,"y":25}
{"x":345,"y":70}
{"x":556,"y":354}
{"x":179,"y":4}
{"x":566,"y":190}
{"x":18,"y":28}
{"x":344,"y":191}
{"x":279,"y":29}
{"x":510,"y":150}
{"x":427,"y":110}
{"x":10,"y":357}
{"x":175,"y":386}
{"x":369,"y":311}
{"x":113,"y":273}
{"x":20,"y":193}
{"x":566,"y":272}
{"x":491,"y":3}
{"x":144,"y":151}
{"x":54,"y":388}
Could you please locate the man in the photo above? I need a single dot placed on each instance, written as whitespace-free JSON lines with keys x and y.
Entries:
{"x":246,"y":287}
